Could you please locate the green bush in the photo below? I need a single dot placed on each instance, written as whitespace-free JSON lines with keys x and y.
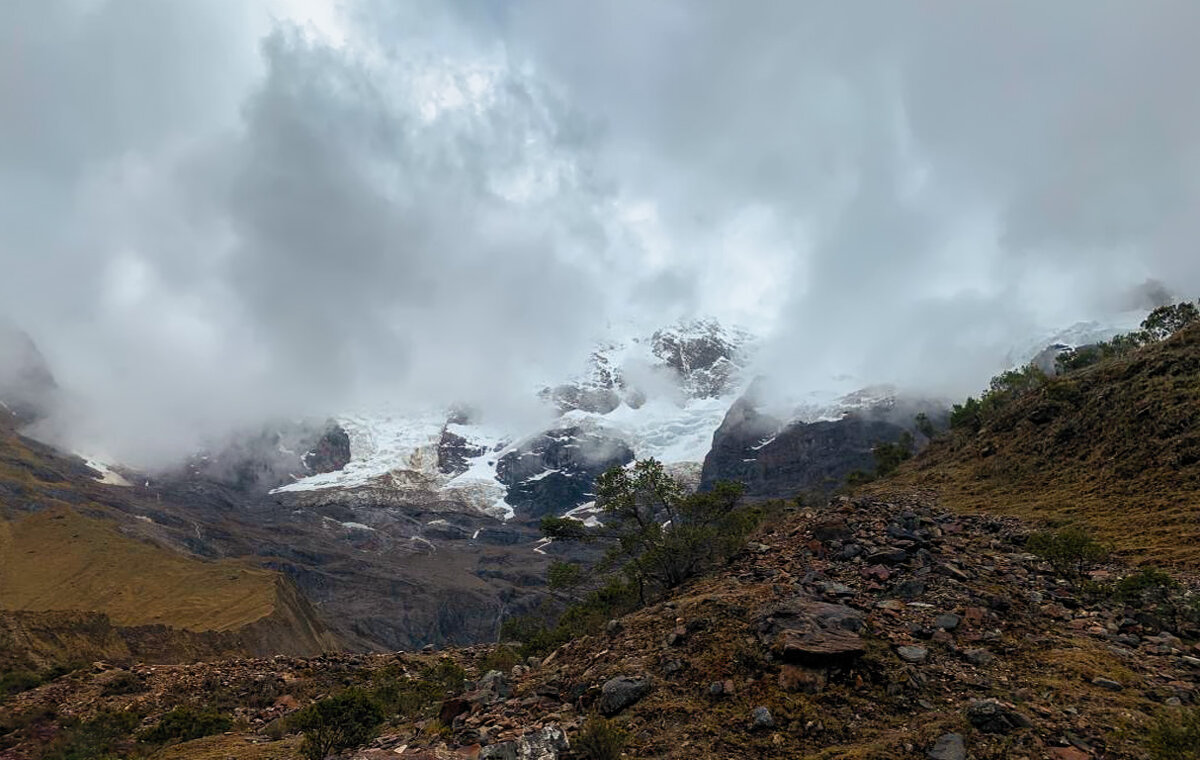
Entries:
{"x":108,"y":735}
{"x":1148,"y":584}
{"x":967,"y":416}
{"x":501,"y":658}
{"x":600,"y":739}
{"x":1175,"y":735}
{"x":17,"y":681}
{"x":447,"y":674}
{"x":587,"y":616}
{"x":123,"y":683}
{"x":408,"y":697}
{"x":889,"y":456}
{"x":1068,"y":549}
{"x":925,"y":425}
{"x":340,"y":722}
{"x":184,"y":723}
{"x":563,"y":575}
{"x":857,"y":478}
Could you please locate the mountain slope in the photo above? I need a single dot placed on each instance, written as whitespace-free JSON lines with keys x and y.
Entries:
{"x":1115,"y":446}
{"x":67,"y":552}
{"x":865,"y":630}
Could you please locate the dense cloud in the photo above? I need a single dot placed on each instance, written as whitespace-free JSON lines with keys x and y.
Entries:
{"x":213,"y":211}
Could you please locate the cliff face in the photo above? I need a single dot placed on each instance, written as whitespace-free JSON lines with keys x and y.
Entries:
{"x":777,"y":460}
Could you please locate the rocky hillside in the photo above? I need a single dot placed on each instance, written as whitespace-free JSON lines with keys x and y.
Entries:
{"x":867,"y":629}
{"x":1114,"y":446}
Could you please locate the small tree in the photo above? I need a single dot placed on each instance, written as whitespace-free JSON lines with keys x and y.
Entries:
{"x":660,"y":535}
{"x":889,"y":456}
{"x":1165,"y":321}
{"x":925,"y":425}
{"x":967,"y":415}
{"x":340,"y":722}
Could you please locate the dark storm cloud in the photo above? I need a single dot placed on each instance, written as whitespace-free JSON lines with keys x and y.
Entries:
{"x":954,"y":173}
{"x":208,"y":217}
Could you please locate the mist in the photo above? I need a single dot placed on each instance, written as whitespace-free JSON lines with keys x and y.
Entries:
{"x":217,"y":212}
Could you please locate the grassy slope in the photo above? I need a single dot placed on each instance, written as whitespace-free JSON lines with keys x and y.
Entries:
{"x":1115,"y":446}
{"x":58,"y":559}
{"x":85,"y":557}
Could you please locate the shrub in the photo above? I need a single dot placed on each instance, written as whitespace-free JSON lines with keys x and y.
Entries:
{"x":123,"y":683}
{"x":563,"y":575}
{"x":1147,"y":584}
{"x":408,"y":697}
{"x":967,"y":416}
{"x":1165,"y":321}
{"x":17,"y":681}
{"x":184,"y":723}
{"x":108,"y":735}
{"x":889,"y":456}
{"x":1175,"y":735}
{"x":925,"y":425}
{"x":339,"y":722}
{"x":857,"y":478}
{"x":447,"y":674}
{"x":600,"y":739}
{"x":500,"y":658}
{"x":1068,"y":549}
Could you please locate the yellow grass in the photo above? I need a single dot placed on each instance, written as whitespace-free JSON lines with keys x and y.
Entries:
{"x":57,"y":559}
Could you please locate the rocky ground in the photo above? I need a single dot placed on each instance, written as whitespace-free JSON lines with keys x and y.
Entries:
{"x":866,"y":629}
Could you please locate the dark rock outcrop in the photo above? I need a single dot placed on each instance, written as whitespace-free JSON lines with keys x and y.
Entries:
{"x":330,"y":452}
{"x":453,"y":453}
{"x":621,"y":692}
{"x":774,"y":460}
{"x":705,"y":356}
{"x":991,"y":717}
{"x":556,"y":471}
{"x":256,"y":462}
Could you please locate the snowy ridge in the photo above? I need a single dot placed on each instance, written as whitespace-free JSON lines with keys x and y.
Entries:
{"x":663,"y":395}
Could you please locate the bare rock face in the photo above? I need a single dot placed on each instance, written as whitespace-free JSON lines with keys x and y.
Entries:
{"x":453,"y":453}
{"x":775,"y":460}
{"x":256,"y":462}
{"x":330,"y":452}
{"x":704,"y":355}
{"x":557,"y":470}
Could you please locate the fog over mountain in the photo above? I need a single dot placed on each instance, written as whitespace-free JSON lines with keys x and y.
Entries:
{"x":213,"y":211}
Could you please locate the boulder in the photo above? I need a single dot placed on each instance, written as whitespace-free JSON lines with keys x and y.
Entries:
{"x":991,"y":717}
{"x":760,"y":718}
{"x":621,"y":692}
{"x":948,"y":747}
{"x":547,"y":744}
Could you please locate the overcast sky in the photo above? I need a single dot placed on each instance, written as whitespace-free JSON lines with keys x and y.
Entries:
{"x":215,"y":210}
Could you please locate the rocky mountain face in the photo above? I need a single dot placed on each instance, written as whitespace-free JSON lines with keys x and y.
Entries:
{"x":405,"y":530}
{"x":558,"y":468}
{"x":259,"y":461}
{"x":780,"y":458}
{"x":777,"y":460}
